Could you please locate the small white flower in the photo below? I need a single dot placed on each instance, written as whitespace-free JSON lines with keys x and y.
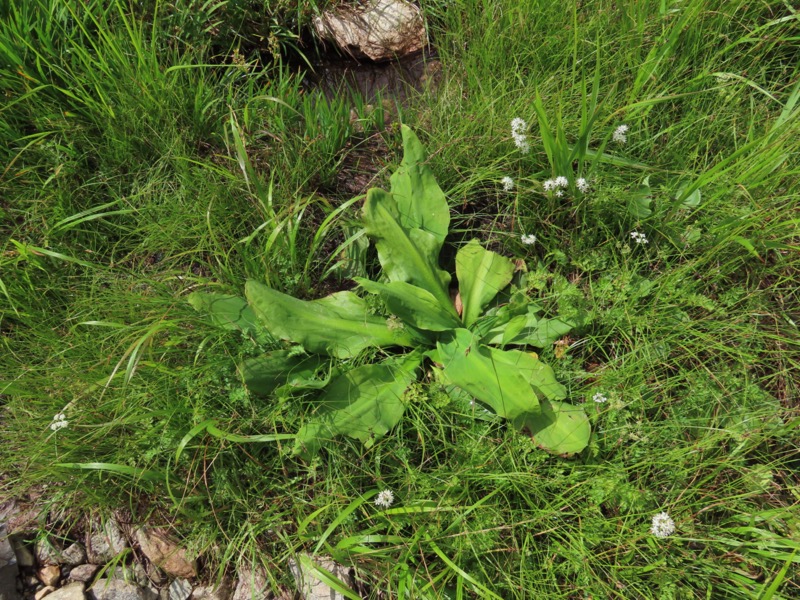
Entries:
{"x":639,"y":238}
{"x":600,"y":397}
{"x":528,"y":239}
{"x":663,"y":525}
{"x":518,"y":126}
{"x":518,"y":129}
{"x":562,"y":181}
{"x":508,"y":183}
{"x":59,"y":422}
{"x":522,"y":143}
{"x":582,"y":185}
{"x":560,"y":194}
{"x":620,"y":134}
{"x":385,"y":499}
{"x":549,"y":185}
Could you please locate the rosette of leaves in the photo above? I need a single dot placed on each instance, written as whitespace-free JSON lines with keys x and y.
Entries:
{"x":482,"y":346}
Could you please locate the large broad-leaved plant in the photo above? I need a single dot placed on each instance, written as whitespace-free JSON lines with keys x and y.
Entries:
{"x":480,"y":343}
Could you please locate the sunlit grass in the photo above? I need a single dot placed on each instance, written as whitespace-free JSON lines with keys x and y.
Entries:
{"x":137,"y":169}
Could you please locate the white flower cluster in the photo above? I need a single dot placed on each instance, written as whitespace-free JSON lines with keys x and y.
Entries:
{"x":663,"y":525}
{"x":621,"y":134}
{"x":556,"y":184}
{"x":639,"y":238}
{"x":508,"y":183}
{"x":582,"y":185}
{"x":528,"y":239}
{"x":518,"y":129}
{"x":385,"y":499}
{"x":59,"y":422}
{"x":600,"y":397}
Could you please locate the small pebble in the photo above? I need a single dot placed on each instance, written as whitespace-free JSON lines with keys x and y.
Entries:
{"x":50,"y":575}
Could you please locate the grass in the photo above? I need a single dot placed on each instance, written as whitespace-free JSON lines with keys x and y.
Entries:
{"x":138,"y":166}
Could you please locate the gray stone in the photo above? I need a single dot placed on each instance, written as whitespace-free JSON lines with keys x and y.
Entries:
{"x":119,"y":589}
{"x":179,"y":589}
{"x":156,"y":575}
{"x":223,"y":591}
{"x":19,"y":519}
{"x":104,"y":542}
{"x":134,"y":573}
{"x":48,"y":589}
{"x":166,"y":554}
{"x":252,"y":585}
{"x":71,"y":591}
{"x":7,"y":554}
{"x":380,"y":30}
{"x":49,"y":575}
{"x":50,"y":552}
{"x":73,"y":555}
{"x":311,"y":587}
{"x":46,"y":553}
{"x":22,"y":551}
{"x":83,"y":573}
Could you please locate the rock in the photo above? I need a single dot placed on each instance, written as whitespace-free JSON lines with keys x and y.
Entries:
{"x":118,"y":589}
{"x":50,"y":575}
{"x":252,"y":585}
{"x":73,"y":555}
{"x":165,"y":553}
{"x":134,"y":573}
{"x":223,"y":591}
{"x":309,"y":586}
{"x":156,"y":575}
{"x":44,"y":592}
{"x":104,"y":542}
{"x":179,"y":589}
{"x":71,"y":591}
{"x":83,"y":573}
{"x":23,"y":553}
{"x":46,"y":552}
{"x":19,"y":518}
{"x":382,"y":30}
{"x":7,"y":554}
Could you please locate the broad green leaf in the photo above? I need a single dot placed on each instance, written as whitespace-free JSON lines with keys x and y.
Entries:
{"x":412,"y":305}
{"x":263,"y":374}
{"x":365,"y":404}
{"x":514,"y":304}
{"x":406,"y":254}
{"x":339,"y":325}
{"x":538,"y":375}
{"x":691,"y":200}
{"x":495,"y":377}
{"x":558,"y":427}
{"x":639,"y":201}
{"x":228,"y":312}
{"x":544,"y":333}
{"x":420,"y":200}
{"x":481,"y":275}
{"x":528,"y":330}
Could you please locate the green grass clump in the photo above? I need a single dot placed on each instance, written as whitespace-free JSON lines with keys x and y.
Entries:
{"x":139,"y":165}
